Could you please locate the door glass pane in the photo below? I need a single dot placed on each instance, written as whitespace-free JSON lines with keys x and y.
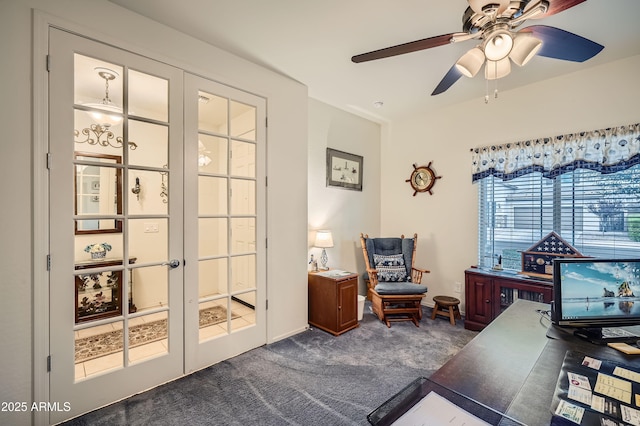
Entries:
{"x":243,"y":197}
{"x":98,"y":88}
{"x":243,"y":159}
{"x":243,"y":272}
{"x":212,"y":113}
{"x":243,"y":310}
{"x":149,"y":288}
{"x":148,"y":144}
{"x":98,"y":349}
{"x":212,"y":277}
{"x":93,"y":137}
{"x":148,"y":240}
{"x":98,"y":190}
{"x":212,"y":195}
{"x":213,"y":237}
{"x":148,"y":192}
{"x":148,"y":336}
{"x":98,"y":294}
{"x":148,"y":96}
{"x":213,"y":319}
{"x":95,"y":249}
{"x":212,"y":154}
{"x":243,"y":235}
{"x":243,"y":121}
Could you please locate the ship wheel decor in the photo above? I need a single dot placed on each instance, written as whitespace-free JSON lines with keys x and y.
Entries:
{"x":422,"y":179}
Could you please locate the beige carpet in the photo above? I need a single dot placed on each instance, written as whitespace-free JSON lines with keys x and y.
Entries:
{"x":92,"y":347}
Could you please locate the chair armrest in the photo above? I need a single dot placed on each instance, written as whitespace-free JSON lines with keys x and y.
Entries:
{"x":416,"y":275}
{"x":373,"y":277}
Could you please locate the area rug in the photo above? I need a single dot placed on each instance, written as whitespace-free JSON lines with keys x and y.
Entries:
{"x":92,"y":347}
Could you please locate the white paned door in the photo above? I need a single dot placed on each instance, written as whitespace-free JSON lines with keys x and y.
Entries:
{"x":157,"y":226}
{"x":225,"y":233}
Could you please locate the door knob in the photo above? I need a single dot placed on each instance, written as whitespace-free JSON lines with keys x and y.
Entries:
{"x":173,"y":263}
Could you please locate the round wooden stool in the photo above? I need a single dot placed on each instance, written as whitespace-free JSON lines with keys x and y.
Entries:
{"x":446,"y":306}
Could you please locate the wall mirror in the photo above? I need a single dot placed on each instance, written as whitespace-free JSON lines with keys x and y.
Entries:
{"x":98,"y":192}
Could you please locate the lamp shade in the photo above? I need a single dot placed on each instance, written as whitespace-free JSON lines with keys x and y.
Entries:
{"x":497,"y":69}
{"x":525,"y":47}
{"x":324,"y":239}
{"x":498,"y":46}
{"x":471,"y":62}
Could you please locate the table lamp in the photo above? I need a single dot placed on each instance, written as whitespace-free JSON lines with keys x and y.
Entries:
{"x":324,"y":240}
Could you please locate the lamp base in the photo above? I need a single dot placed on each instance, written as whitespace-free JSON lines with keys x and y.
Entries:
{"x":324,"y":259}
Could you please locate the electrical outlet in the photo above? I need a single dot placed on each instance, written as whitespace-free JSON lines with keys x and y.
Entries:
{"x":151,"y":227}
{"x":457,"y":286}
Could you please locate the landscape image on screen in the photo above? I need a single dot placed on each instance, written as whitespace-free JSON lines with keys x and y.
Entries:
{"x":596,"y":289}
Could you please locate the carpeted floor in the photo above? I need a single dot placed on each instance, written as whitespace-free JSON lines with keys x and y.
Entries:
{"x":312,"y":378}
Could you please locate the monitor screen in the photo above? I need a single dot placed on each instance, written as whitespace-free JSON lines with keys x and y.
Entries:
{"x":591,"y":292}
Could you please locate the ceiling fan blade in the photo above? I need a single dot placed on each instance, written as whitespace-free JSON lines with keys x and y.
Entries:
{"x":401,"y":49}
{"x":447,"y":81}
{"x":557,"y":6}
{"x":561,"y":44}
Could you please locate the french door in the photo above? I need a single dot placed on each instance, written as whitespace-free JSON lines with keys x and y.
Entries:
{"x":225,"y":225}
{"x":155,"y":213}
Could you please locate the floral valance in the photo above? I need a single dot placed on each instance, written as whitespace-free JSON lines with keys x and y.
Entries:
{"x":605,"y":150}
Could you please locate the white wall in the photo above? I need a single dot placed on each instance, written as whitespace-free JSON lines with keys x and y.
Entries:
{"x":346,"y":213}
{"x":22,"y":252}
{"x":446,"y":222}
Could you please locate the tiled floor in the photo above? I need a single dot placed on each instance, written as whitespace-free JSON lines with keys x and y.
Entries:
{"x":83,"y":370}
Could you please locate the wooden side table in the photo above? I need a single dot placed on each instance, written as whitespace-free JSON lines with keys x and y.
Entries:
{"x":333,"y":301}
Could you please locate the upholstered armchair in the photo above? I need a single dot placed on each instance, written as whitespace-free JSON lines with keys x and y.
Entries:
{"x":395,"y":283}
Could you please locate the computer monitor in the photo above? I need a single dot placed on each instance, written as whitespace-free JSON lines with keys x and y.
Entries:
{"x":592,"y":293}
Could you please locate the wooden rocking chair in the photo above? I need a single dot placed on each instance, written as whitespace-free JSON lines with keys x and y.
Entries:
{"x":394,"y":285}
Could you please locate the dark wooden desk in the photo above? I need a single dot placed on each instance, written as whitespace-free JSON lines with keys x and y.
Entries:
{"x":512,"y":366}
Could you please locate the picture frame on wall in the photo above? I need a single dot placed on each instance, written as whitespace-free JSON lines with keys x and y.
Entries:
{"x":344,"y":170}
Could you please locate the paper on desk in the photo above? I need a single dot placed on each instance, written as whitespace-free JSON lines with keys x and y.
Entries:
{"x":435,"y":410}
{"x":613,"y":387}
{"x":627,"y":374}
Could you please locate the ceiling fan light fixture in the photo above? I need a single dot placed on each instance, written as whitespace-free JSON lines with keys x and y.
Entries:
{"x":525,"y":47}
{"x":494,"y":70}
{"x":470,"y":63}
{"x":498,"y":45}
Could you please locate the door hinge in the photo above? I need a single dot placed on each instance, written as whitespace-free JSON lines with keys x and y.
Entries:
{"x":48,"y":161}
{"x":266,"y":122}
{"x":48,"y":63}
{"x":48,"y":262}
{"x":266,"y":243}
{"x":267,"y":304}
{"x":266,"y":181}
{"x":49,"y":364}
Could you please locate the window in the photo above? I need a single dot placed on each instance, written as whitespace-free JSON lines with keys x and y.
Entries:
{"x":598,"y":214}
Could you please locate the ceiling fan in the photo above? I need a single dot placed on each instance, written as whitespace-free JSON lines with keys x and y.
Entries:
{"x":494,"y":23}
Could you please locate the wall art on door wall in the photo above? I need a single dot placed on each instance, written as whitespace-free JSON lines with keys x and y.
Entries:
{"x":344,"y":170}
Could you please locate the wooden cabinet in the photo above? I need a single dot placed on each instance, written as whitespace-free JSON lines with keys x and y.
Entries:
{"x":488,"y":293}
{"x":333,"y":301}
{"x":98,"y":295}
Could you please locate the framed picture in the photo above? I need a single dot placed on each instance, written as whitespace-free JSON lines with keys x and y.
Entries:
{"x":344,"y":170}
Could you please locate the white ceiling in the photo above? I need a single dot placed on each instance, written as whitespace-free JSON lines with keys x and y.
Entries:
{"x":313,"y":42}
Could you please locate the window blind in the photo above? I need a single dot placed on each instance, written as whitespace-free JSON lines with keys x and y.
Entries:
{"x":598,"y":214}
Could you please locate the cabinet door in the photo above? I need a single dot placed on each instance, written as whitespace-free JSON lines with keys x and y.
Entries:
{"x":347,"y":304}
{"x":479,"y":305}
